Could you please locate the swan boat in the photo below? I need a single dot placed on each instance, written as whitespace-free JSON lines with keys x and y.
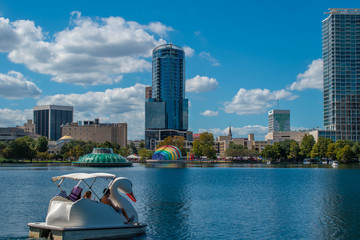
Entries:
{"x":70,"y":217}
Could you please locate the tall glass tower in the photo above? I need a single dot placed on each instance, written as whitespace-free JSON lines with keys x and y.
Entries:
{"x":341,"y":72}
{"x":279,"y":120}
{"x":166,"y":111}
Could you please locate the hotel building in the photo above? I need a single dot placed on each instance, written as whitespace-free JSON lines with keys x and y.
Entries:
{"x":166,"y":108}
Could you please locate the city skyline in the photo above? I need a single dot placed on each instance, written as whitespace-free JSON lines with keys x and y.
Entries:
{"x":98,"y":59}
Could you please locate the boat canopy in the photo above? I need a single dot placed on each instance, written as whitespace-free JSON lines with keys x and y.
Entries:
{"x":82,"y":176}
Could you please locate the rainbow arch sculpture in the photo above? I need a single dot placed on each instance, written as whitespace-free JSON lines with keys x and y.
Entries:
{"x":167,"y":152}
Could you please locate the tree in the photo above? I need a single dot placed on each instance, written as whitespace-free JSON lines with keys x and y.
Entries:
{"x":269,"y":152}
{"x":204,"y":146}
{"x":145,"y":154}
{"x":42,"y":144}
{"x":142,"y":145}
{"x":20,"y":149}
{"x":2,"y":147}
{"x":320,"y":148}
{"x":294,"y":152}
{"x":345,"y":154}
{"x":207,"y":145}
{"x":76,"y":152}
{"x":306,"y":145}
{"x":356,"y":149}
{"x":196,"y":148}
{"x":179,"y":142}
{"x":284,"y":149}
{"x":125,"y":152}
{"x":331,"y":151}
{"x":43,"y":155}
{"x":133,"y":148}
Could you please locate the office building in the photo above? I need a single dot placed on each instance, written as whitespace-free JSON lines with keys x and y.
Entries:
{"x":279,"y":120}
{"x":341,"y":73}
{"x":49,"y":118}
{"x":281,"y":136}
{"x":97,"y":132}
{"x":166,"y":109}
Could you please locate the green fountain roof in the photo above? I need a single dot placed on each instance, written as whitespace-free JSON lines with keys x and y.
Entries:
{"x":102,"y":157}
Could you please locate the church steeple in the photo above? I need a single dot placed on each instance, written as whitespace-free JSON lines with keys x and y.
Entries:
{"x":230,"y":134}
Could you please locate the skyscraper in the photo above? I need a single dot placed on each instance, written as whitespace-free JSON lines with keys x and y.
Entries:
{"x":279,"y":120}
{"x":341,"y":72}
{"x":49,"y":118}
{"x":166,"y":111}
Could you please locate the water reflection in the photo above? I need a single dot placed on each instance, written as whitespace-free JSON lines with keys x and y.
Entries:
{"x":166,"y":204}
{"x":197,"y":202}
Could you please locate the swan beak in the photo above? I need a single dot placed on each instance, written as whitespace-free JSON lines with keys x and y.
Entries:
{"x":131,"y":196}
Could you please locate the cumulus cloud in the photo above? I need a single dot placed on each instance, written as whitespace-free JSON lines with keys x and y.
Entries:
{"x":12,"y":118}
{"x":159,"y":28}
{"x":9,"y":39}
{"x":209,"y":113}
{"x":207,"y":56}
{"x":189,"y":52}
{"x":201,"y":84}
{"x":311,"y":78}
{"x":14,"y":85}
{"x":115,"y":105}
{"x":90,"y":51}
{"x":258,"y":130}
{"x":255,"y":101}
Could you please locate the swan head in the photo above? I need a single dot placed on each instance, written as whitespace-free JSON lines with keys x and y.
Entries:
{"x":124,"y":185}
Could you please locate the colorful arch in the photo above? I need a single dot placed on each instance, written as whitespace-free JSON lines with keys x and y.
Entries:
{"x":167,"y":152}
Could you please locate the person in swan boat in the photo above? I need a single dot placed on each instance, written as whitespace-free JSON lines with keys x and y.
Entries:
{"x":105,"y":200}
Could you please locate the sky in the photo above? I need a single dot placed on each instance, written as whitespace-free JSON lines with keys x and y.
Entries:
{"x":243,"y":58}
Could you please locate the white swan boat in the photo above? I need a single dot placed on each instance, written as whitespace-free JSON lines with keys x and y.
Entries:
{"x":68,"y":218}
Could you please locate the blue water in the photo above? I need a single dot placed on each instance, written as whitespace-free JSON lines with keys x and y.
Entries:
{"x":206,"y":203}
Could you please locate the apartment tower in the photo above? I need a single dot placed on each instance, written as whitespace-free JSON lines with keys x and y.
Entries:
{"x":341,"y":72}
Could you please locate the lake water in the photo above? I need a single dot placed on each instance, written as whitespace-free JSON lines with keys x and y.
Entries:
{"x":224,"y":202}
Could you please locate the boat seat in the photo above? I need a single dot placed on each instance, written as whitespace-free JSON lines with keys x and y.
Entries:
{"x":62,"y":194}
{"x":75,"y":194}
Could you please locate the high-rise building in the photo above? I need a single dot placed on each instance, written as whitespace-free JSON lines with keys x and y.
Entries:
{"x":49,"y":118}
{"x":341,"y":72}
{"x":279,"y":120}
{"x":166,"y":109}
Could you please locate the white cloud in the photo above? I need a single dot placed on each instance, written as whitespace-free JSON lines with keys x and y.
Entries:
{"x":209,"y":113}
{"x":14,"y":85}
{"x":311,"y":78}
{"x":207,"y":56}
{"x":12,"y":118}
{"x":159,"y":28}
{"x":91,"y":51}
{"x":189,"y":52}
{"x":255,"y":101}
{"x":259,"y":131}
{"x":201,"y":84}
{"x":9,"y":39}
{"x":112,"y":105}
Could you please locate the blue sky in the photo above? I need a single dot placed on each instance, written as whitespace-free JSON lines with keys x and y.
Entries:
{"x":243,"y":59}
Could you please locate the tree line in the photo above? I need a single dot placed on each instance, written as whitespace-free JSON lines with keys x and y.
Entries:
{"x":26,"y":148}
{"x":324,"y":149}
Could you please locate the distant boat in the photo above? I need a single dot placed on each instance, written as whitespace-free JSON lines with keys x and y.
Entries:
{"x":306,"y":161}
{"x":335,"y":164}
